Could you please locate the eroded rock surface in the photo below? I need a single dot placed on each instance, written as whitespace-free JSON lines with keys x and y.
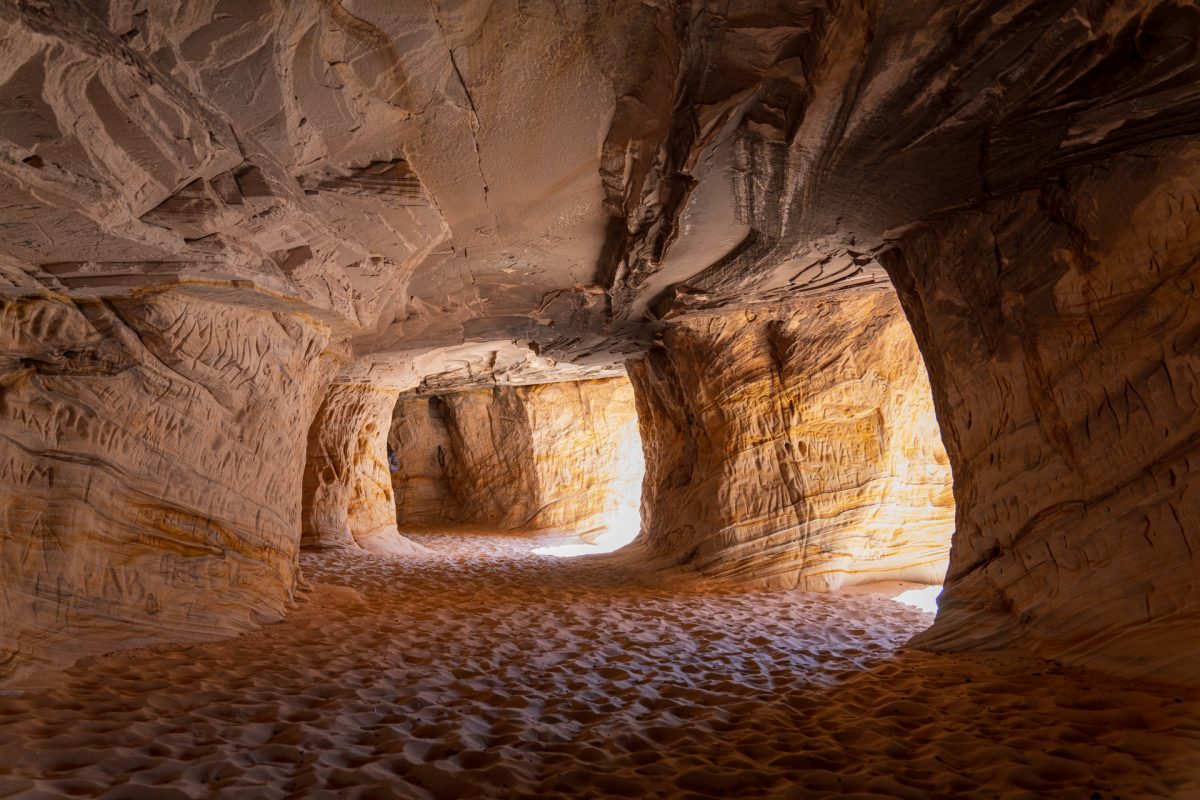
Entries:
{"x":348,"y":500}
{"x":504,"y":192}
{"x":794,"y":447}
{"x":1068,"y":376}
{"x":151,"y":456}
{"x":419,"y":438}
{"x":560,"y":455}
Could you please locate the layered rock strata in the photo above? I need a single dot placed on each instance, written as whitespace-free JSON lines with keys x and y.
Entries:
{"x":1060,"y":326}
{"x":526,"y":190}
{"x":421,"y":443}
{"x":560,"y":455}
{"x":151,"y":453}
{"x":348,"y":499}
{"x":794,"y":447}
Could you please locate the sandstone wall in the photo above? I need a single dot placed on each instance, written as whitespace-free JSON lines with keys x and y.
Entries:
{"x":151,"y":453}
{"x":794,"y":447}
{"x":587,"y":453}
{"x":561,"y":455}
{"x":1061,"y":328}
{"x":489,"y":464}
{"x":348,"y":499}
{"x":420,"y":441}
{"x":429,"y":185}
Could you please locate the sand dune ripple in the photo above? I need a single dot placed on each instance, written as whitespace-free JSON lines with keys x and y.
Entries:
{"x":484,"y":670}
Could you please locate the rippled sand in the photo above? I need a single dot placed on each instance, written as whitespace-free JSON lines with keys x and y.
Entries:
{"x":484,"y":670}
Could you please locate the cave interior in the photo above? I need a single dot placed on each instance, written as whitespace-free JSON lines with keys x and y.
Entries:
{"x":547,"y":398}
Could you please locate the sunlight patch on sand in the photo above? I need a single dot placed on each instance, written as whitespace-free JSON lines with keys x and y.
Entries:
{"x":622,"y":529}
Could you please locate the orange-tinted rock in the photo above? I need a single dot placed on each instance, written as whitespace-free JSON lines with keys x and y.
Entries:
{"x":151,"y":454}
{"x":348,"y":500}
{"x":1061,"y":327}
{"x":420,"y":441}
{"x":559,"y":455}
{"x":424,"y":186}
{"x":794,"y":447}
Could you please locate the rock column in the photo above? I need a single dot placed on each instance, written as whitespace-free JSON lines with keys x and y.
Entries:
{"x":795,"y":446}
{"x":348,"y":499}
{"x":1061,"y":326}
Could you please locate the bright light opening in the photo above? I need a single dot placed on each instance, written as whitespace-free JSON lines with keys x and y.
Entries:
{"x":622,"y":521}
{"x":924,"y":599}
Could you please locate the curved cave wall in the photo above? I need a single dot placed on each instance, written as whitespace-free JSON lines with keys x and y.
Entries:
{"x":560,"y":455}
{"x":489,"y":460}
{"x":151,"y":453}
{"x":202,"y":203}
{"x":348,"y":500}
{"x":420,"y":441}
{"x":1061,"y":328}
{"x":794,"y":446}
{"x":587,"y":454}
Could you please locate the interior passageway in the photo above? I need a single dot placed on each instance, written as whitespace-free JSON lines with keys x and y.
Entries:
{"x":324,"y":324}
{"x":484,"y":670}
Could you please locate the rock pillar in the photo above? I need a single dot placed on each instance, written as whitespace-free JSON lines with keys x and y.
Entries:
{"x":795,"y":446}
{"x":1061,"y":328}
{"x":348,"y":499}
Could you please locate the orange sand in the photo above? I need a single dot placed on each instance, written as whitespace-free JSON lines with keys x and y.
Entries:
{"x":484,"y":670}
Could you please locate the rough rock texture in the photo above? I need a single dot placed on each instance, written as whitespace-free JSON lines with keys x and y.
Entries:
{"x":420,"y":441}
{"x":796,"y":135}
{"x":151,"y":454}
{"x":489,"y":458}
{"x":794,"y":447}
{"x":547,"y":181}
{"x":1032,"y":160}
{"x":129,"y":161}
{"x":513,"y":191}
{"x":1061,"y":327}
{"x":561,"y":455}
{"x":348,"y":500}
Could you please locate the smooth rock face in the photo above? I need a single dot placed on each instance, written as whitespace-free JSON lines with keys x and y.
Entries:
{"x":151,"y":454}
{"x":348,"y":500}
{"x":560,"y":455}
{"x":1061,"y":327}
{"x":794,"y":447}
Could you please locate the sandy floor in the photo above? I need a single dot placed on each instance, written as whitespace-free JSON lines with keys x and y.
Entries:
{"x":487,"y":671}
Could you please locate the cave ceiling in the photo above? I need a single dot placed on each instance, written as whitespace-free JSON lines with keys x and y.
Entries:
{"x":517,"y":191}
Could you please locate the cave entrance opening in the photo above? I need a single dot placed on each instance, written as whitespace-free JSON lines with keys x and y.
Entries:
{"x":560,"y":460}
{"x":622,"y":473}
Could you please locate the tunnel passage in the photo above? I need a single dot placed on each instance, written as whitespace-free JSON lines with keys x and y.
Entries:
{"x":202,"y":208}
{"x":348,"y":501}
{"x":794,"y":445}
{"x":562,"y":455}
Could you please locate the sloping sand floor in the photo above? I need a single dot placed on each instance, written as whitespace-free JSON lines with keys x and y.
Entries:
{"x":484,"y":670}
